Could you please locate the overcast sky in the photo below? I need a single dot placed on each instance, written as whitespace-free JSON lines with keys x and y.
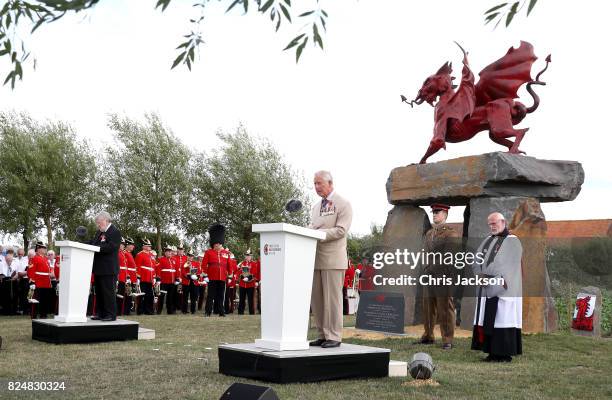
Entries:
{"x":338,"y":109}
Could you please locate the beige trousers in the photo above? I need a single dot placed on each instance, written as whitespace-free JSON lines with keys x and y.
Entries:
{"x":326,"y":303}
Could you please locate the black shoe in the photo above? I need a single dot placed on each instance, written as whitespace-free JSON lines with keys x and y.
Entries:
{"x":108,"y":319}
{"x":222,"y":315}
{"x":317,"y":342}
{"x":95,"y":317}
{"x":447,"y":346}
{"x":487,"y":359}
{"x":424,"y":341}
{"x":206,"y":314}
{"x":330,"y":343}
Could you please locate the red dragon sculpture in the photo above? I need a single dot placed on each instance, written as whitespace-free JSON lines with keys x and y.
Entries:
{"x":488,"y":105}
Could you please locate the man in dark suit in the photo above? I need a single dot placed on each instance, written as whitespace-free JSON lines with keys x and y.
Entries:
{"x":106,"y":267}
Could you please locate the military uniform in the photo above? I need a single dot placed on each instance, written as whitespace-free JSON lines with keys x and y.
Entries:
{"x":168,"y":273}
{"x":216,"y":265}
{"x":124,"y":302}
{"x":247,"y":275}
{"x":39,"y":272}
{"x":438,"y":302}
{"x":230,"y":291}
{"x":145,"y":269}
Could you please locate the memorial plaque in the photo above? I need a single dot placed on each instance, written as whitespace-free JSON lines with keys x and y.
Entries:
{"x":381,"y":312}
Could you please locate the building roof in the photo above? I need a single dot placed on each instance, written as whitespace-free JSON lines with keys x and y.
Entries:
{"x":569,"y":228}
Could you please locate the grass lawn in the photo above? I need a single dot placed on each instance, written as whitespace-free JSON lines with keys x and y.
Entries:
{"x":179,"y":365}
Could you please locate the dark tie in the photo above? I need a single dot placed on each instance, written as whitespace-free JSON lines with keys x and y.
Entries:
{"x":324,"y":203}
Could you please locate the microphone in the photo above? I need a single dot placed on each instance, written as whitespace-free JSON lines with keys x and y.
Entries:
{"x":81,"y":233}
{"x":293,"y":205}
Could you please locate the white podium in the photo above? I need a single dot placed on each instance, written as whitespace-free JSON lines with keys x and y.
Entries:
{"x":287,"y":254}
{"x":76,"y":262}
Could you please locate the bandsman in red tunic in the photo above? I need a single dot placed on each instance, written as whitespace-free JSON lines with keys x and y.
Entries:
{"x":247,"y":275}
{"x":131,"y":277}
{"x":190,"y":273}
{"x":202,"y":285}
{"x":145,"y":270}
{"x":168,"y":273}
{"x":179,"y":261}
{"x":216,"y":264}
{"x":349,"y":276}
{"x":124,"y":301}
{"x":40,"y":274}
{"x":230,"y":291}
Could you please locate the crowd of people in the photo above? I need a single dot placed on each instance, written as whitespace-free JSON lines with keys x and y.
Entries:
{"x":177,"y":280}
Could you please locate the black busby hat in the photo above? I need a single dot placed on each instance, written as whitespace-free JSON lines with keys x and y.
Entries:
{"x":217,"y":234}
{"x":146,"y":242}
{"x":40,"y":244}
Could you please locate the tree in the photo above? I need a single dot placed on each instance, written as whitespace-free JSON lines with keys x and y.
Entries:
{"x":245,"y":182}
{"x":359,"y":247}
{"x":148,"y":176}
{"x":17,"y":178}
{"x":47,"y":172}
{"x":313,"y":22}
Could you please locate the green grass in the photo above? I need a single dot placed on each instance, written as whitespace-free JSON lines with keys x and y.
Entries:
{"x":553,"y":366}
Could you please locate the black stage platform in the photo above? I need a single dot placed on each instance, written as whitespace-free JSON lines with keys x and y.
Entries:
{"x":312,"y":365}
{"x":49,"y":330}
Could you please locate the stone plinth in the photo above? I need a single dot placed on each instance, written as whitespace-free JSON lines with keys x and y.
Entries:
{"x":457,"y":181}
{"x":512,"y":184}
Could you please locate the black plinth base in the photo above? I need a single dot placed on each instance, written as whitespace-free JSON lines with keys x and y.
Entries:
{"x":315,"y":364}
{"x":49,"y":330}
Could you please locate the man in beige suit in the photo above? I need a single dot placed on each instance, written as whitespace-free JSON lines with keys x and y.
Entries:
{"x":332,"y":215}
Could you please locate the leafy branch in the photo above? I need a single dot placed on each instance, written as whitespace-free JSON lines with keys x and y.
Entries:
{"x":507,"y":11}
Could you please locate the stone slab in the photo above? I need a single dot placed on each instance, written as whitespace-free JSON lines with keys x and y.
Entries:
{"x":498,"y":174}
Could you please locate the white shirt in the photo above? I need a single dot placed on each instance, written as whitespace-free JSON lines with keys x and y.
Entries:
{"x":22,"y":263}
{"x":7,"y":270}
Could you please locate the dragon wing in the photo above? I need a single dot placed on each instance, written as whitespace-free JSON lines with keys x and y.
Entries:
{"x":504,"y":77}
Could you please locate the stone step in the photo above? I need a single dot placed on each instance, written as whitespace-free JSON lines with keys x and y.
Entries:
{"x":146,"y":334}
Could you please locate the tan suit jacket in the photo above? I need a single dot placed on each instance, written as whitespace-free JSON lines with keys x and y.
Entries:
{"x":335,"y":220}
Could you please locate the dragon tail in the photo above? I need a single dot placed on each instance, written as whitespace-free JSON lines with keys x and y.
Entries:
{"x":537,"y":81}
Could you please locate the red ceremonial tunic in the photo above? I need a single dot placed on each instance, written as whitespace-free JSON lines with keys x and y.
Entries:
{"x":40,"y":272}
{"x":166,"y":270}
{"x":216,"y":264}
{"x":131,"y":266}
{"x":253,"y":268}
{"x":349,"y":275}
{"x":122,"y":266}
{"x":145,"y":266}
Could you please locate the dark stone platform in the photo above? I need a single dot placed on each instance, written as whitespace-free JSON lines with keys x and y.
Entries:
{"x":49,"y":330}
{"x":312,"y":365}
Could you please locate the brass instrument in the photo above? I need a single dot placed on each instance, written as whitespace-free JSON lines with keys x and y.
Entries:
{"x":117,"y":290}
{"x":128,"y":286}
{"x":352,"y":291}
{"x":31,"y":298}
{"x":246,"y":275}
